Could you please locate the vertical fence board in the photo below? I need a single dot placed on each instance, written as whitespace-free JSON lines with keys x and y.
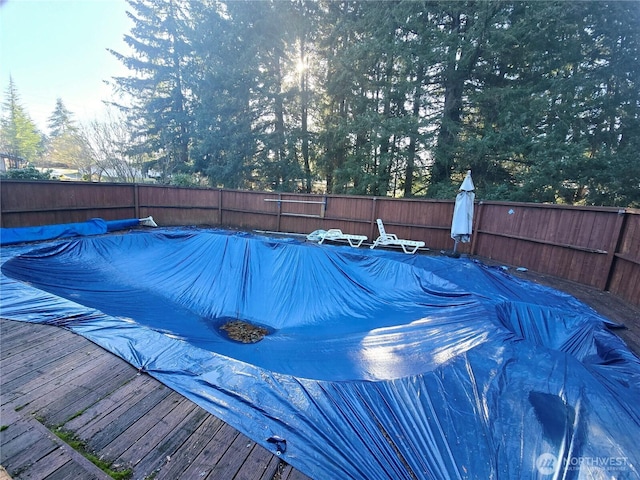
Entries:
{"x":625,"y":272}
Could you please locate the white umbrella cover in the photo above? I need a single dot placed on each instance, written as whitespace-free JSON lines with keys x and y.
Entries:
{"x":463,"y":211}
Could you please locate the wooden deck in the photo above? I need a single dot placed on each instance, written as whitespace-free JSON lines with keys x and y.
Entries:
{"x":52,"y":379}
{"x":55,"y":380}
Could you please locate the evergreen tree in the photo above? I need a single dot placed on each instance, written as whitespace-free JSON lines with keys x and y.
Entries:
{"x":539,"y":99}
{"x":269,"y":34}
{"x":19,"y":136}
{"x":348,"y":109}
{"x":66,"y":146}
{"x":222,"y":75}
{"x":610,"y":171}
{"x":159,"y":112}
{"x":536,"y":128}
{"x":61,"y":120}
{"x":305,"y":21}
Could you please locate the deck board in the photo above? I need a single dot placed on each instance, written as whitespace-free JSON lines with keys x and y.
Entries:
{"x":52,"y":378}
{"x":30,"y":451}
{"x":64,"y":380}
{"x":140,"y":428}
{"x":259,"y":465}
{"x":50,"y":463}
{"x":129,"y":417}
{"x":176,"y":442}
{"x":96,"y":417}
{"x":193,"y":446}
{"x":215,"y":452}
{"x":150,"y":441}
{"x":83,"y":394}
{"x":24,"y":362}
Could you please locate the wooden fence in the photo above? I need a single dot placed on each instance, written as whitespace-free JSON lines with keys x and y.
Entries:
{"x":595,"y":246}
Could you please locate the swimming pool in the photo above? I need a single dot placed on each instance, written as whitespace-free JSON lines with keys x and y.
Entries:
{"x":374,"y":364}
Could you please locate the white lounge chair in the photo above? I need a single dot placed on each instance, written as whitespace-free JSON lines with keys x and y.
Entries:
{"x":390,"y":239}
{"x":335,"y":234}
{"x":147,"y":222}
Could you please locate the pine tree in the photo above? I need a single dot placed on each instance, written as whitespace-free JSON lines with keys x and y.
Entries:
{"x":19,"y":135}
{"x":221,"y":76}
{"x":610,"y":171}
{"x":159,"y":112}
{"x":61,"y":120}
{"x":539,"y":99}
{"x":552,"y":108}
{"x":65,"y":145}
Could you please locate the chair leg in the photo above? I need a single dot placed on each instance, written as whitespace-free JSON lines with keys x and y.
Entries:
{"x":413,"y":250}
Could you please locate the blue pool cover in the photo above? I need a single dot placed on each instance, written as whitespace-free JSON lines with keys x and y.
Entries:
{"x":376,"y":364}
{"x":94,"y":226}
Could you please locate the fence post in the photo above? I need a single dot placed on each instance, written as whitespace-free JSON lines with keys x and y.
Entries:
{"x":136,"y":200}
{"x":373,"y":218}
{"x":618,"y":230}
{"x":477,"y":223}
{"x":279,"y":210}
{"x":219,"y":206}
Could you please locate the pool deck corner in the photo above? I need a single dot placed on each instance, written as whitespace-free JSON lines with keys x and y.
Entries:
{"x":54,"y":381}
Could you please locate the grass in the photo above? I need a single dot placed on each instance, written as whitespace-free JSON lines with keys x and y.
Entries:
{"x":75,"y":415}
{"x":80,"y":446}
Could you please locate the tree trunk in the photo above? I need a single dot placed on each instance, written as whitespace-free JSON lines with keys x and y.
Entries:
{"x":304,"y":115}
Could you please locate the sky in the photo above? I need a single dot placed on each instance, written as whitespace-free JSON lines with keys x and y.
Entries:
{"x":58,"y":49}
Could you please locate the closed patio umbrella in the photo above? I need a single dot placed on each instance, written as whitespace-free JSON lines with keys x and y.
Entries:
{"x":462,"y":221}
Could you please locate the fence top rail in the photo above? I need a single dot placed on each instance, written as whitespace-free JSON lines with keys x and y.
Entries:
{"x":67,"y":182}
{"x":592,"y":208}
{"x":283,"y":200}
{"x":619,"y":210}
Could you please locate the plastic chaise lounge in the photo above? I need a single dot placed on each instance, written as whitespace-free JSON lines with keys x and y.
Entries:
{"x":335,"y":234}
{"x":390,"y":239}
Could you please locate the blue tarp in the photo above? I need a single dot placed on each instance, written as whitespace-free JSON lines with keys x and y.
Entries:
{"x":376,"y":365}
{"x":94,"y":226}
